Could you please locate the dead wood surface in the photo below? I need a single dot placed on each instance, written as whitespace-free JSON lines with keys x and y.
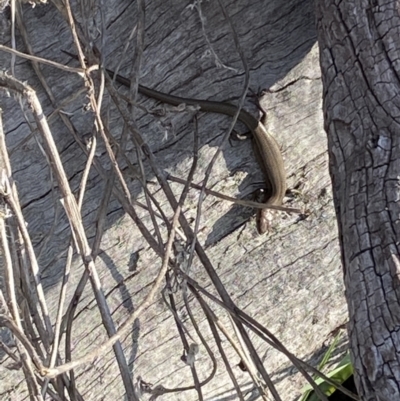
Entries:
{"x":289,"y":279}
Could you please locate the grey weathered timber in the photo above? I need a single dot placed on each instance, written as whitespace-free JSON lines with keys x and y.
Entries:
{"x":289,"y":279}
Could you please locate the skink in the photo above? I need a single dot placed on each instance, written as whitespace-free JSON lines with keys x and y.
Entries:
{"x":265,"y":146}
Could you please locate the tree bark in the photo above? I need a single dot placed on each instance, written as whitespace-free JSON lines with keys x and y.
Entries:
{"x":359,"y":51}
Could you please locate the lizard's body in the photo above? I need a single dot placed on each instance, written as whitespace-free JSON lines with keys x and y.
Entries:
{"x":265,"y":146}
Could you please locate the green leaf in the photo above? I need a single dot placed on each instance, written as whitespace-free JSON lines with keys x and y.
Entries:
{"x":339,"y":375}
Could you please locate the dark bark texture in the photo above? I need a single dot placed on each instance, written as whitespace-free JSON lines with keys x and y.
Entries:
{"x":359,"y":51}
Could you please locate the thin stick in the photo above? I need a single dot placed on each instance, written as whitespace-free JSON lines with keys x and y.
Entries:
{"x":63,"y":67}
{"x":126,"y":326}
{"x":78,"y":229}
{"x":241,"y":202}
